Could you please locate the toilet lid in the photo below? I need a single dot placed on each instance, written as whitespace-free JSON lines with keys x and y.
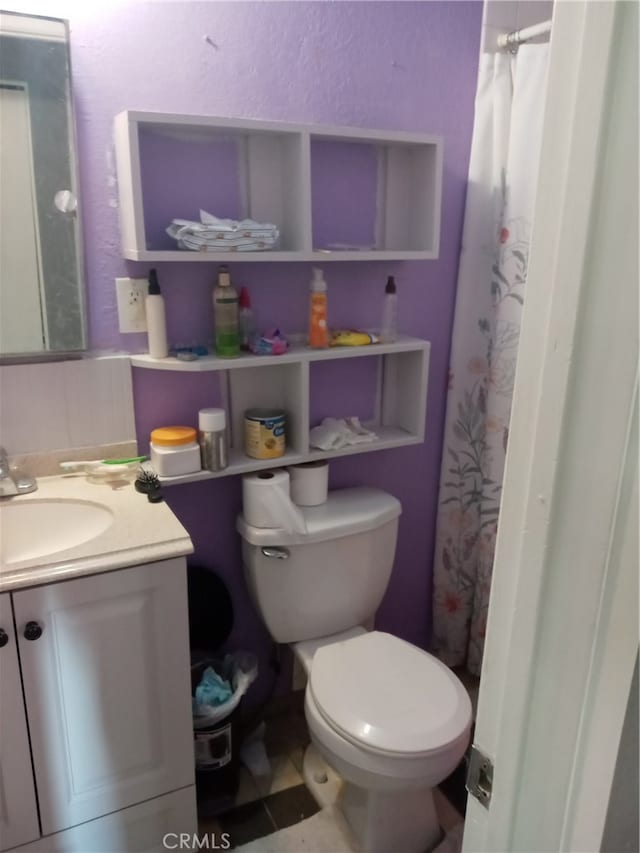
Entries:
{"x":384,"y":693}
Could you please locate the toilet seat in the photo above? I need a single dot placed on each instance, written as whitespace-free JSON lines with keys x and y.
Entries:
{"x":373,"y":770}
{"x":388,"y":697}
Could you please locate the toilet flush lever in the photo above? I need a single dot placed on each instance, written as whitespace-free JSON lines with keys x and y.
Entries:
{"x":276,"y":553}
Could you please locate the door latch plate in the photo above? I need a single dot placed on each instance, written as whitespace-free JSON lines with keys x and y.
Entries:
{"x":480,"y":777}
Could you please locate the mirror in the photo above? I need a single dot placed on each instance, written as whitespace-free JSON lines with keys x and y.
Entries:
{"x":41,"y":287}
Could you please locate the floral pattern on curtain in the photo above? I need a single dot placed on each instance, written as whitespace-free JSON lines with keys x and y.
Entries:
{"x":489,"y":303}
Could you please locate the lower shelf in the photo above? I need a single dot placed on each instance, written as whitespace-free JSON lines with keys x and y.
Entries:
{"x":388,"y":438}
{"x":239,"y":463}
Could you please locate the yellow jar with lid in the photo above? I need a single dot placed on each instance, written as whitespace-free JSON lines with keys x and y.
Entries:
{"x":175,"y":451}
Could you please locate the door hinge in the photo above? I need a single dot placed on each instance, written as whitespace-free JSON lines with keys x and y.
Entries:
{"x":480,"y":776}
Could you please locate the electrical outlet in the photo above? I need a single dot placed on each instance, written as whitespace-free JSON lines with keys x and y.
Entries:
{"x":131,"y":293}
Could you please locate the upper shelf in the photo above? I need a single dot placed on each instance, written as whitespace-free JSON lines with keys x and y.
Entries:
{"x":318,"y":257}
{"x":293,"y":355}
{"x":336,"y":194}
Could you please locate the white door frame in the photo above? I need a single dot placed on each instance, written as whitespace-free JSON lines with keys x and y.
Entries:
{"x":562,"y":633}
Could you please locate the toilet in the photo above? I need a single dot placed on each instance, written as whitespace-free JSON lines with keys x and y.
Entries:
{"x":389,"y":719}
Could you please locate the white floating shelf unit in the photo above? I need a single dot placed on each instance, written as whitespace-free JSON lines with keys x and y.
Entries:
{"x":335,"y":193}
{"x":384,"y":384}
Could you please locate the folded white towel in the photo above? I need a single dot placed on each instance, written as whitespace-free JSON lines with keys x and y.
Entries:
{"x":211,"y":221}
{"x":179,"y":227}
{"x":336,"y":433}
{"x":243,"y":245}
{"x":214,"y":234}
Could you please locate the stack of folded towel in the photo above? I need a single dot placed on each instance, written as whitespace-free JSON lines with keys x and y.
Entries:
{"x":223,"y":235}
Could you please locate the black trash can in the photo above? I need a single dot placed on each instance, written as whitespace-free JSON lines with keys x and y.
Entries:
{"x":217,"y":754}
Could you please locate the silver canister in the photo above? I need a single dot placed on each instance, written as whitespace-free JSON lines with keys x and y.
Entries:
{"x":212,"y":437}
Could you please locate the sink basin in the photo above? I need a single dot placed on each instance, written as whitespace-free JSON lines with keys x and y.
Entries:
{"x":41,"y":528}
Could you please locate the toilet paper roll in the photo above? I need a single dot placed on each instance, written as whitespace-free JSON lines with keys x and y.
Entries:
{"x":309,"y":483}
{"x":266,"y":502}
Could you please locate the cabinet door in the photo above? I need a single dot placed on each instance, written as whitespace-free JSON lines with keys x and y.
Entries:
{"x":18,"y":810}
{"x":138,"y":829}
{"x":107,"y":687}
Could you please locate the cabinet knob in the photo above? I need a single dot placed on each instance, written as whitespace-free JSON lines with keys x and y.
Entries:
{"x":32,"y":631}
{"x":4,"y":638}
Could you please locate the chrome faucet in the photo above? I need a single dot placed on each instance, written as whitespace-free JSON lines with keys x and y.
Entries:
{"x":13,"y":482}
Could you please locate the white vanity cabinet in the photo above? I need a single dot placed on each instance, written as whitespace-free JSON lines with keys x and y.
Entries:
{"x":138,"y":829}
{"x":104,"y":663}
{"x":18,"y":812}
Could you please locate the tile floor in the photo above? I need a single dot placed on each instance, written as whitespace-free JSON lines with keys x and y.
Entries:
{"x":263,"y":806}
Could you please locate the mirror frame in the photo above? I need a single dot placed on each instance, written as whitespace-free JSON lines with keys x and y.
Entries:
{"x":31,"y":26}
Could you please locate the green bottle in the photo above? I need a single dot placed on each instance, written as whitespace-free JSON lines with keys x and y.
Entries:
{"x":227,"y":325}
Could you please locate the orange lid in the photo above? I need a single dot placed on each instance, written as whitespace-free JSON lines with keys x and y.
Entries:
{"x":173,"y":435}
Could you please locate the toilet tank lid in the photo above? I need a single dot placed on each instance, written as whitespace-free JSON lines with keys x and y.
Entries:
{"x":346,"y":511}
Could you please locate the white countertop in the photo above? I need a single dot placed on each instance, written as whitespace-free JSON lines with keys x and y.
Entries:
{"x":141,"y":532}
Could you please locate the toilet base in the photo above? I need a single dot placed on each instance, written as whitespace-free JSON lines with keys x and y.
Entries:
{"x":380,"y":821}
{"x":322,"y":780}
{"x":402,"y":821}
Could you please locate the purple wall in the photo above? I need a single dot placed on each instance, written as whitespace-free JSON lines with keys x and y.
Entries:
{"x":396,"y":65}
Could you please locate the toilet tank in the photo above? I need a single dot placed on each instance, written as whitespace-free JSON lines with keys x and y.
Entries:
{"x":333,"y":577}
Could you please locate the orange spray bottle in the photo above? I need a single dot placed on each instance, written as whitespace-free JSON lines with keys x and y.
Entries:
{"x":318,"y":330}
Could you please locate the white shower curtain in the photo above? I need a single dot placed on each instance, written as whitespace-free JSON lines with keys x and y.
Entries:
{"x":491,"y":286}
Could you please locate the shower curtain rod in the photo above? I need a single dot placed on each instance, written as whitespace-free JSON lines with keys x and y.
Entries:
{"x":520,"y":36}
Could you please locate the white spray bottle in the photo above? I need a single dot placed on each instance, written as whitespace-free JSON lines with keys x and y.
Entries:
{"x":156,"y":320}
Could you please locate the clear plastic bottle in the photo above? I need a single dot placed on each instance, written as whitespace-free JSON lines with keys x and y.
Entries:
{"x":247,"y":321}
{"x":389,"y":328}
{"x":318,"y":330}
{"x":225,"y":306}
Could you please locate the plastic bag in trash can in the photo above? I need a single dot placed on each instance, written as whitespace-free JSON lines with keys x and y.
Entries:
{"x":213,"y":689}
{"x":241,"y":670}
